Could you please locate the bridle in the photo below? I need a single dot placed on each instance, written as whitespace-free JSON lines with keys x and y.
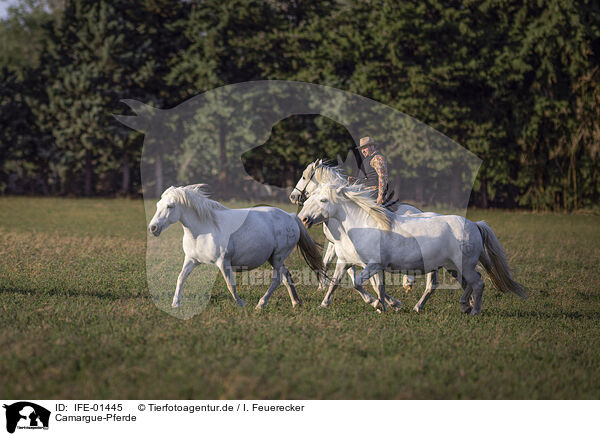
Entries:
{"x":303,"y":197}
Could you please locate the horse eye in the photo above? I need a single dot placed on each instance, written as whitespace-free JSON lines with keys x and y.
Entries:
{"x":170,"y":206}
{"x":323,"y":200}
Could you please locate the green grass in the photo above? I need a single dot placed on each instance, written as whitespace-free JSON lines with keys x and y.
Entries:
{"x":77,"y":321}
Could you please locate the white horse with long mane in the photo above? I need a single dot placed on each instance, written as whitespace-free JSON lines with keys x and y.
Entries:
{"x":318,"y":173}
{"x":233,"y":239}
{"x":367,"y":234}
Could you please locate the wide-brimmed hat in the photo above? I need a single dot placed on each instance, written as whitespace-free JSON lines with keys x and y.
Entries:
{"x":366,"y":141}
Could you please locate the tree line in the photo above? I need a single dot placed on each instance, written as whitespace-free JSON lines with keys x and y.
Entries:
{"x":517,"y":83}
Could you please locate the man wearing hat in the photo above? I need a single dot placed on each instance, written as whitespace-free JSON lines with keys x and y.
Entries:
{"x":374,"y":175}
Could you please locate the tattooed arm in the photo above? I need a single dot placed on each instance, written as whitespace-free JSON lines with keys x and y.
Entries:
{"x":378,"y":163}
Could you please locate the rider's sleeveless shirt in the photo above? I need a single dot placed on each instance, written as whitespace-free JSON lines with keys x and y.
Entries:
{"x":369,"y":177}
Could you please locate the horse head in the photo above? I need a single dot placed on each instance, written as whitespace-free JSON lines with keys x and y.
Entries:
{"x":320,"y":206}
{"x":168,"y":211}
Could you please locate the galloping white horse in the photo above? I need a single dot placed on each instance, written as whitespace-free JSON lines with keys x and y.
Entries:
{"x":317,"y":173}
{"x":367,"y":234}
{"x":233,"y":239}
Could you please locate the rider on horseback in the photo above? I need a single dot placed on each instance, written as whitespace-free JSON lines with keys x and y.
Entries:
{"x":373,"y":170}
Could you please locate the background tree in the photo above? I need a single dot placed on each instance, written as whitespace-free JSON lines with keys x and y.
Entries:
{"x":517,"y":84}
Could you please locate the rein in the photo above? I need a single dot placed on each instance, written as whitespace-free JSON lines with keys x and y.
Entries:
{"x":303,"y":196}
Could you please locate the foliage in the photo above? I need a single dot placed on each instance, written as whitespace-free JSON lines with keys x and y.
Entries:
{"x":516,"y":83}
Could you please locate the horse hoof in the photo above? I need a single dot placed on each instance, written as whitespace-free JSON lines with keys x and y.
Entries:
{"x":393,"y":303}
{"x":175,"y":305}
{"x":407,"y":288}
{"x":324,"y":306}
{"x":241,"y":303}
{"x":416,"y":309}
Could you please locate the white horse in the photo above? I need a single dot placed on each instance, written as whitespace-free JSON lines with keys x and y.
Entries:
{"x":233,"y":239}
{"x":317,"y":173}
{"x":367,"y":234}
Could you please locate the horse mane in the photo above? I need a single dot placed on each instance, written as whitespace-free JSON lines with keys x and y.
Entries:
{"x":334,"y":178}
{"x":196,"y":198}
{"x":329,"y":175}
{"x":364,"y":200}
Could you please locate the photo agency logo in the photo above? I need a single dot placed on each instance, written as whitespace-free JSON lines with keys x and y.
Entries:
{"x":195,"y":157}
{"x":25,"y":415}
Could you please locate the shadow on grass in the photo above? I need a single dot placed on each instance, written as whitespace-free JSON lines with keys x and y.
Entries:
{"x":587,"y":296}
{"x":571,"y":314}
{"x":75,"y":293}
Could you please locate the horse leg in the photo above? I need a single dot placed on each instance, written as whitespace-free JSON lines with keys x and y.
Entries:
{"x":407,"y":282}
{"x":289,"y":284}
{"x":275,"y":281}
{"x":465,"y":306}
{"x":465,"y":301}
{"x":373,"y":280}
{"x":340,"y":269}
{"x":329,"y":255}
{"x":476,"y":285}
{"x":186,"y":269}
{"x":377,"y":280}
{"x":374,"y":283}
{"x":367,"y":298}
{"x":364,"y":275}
{"x":352,"y":274}
{"x":229,"y":277}
{"x":432,"y":283}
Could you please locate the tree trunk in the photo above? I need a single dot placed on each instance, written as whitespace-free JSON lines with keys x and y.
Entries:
{"x":158,"y":172}
{"x":125,"y":186}
{"x":483,"y":192}
{"x":456,"y":191}
{"x":222,"y":156}
{"x":55,"y":185}
{"x":88,"y":175}
{"x":419,"y":191}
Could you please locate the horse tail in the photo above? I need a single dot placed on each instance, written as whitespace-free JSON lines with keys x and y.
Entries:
{"x":494,"y":262}
{"x":310,"y":250}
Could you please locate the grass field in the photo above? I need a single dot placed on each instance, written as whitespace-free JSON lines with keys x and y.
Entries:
{"x":77,"y":321}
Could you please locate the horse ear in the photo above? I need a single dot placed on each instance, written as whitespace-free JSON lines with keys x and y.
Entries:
{"x":169,"y":189}
{"x":339,"y":189}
